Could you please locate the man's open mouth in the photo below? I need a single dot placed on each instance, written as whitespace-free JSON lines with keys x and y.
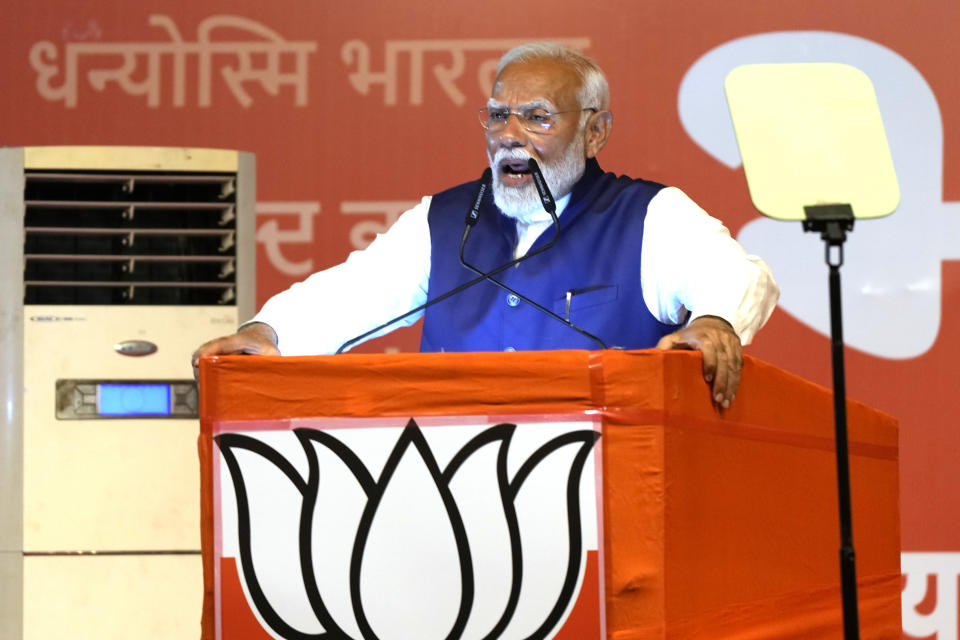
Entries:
{"x":515,"y":168}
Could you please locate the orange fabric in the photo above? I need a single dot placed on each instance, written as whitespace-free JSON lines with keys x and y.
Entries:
{"x":716,"y":523}
{"x":205,"y":449}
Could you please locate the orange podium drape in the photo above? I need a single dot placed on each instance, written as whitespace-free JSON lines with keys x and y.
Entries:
{"x":716,"y":523}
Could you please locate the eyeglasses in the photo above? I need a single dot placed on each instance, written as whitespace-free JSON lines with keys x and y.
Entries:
{"x":533,"y":119}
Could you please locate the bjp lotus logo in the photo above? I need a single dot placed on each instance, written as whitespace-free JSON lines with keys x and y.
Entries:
{"x":453,"y":532}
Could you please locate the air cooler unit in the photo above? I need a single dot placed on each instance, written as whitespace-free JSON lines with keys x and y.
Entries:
{"x":116,"y":262}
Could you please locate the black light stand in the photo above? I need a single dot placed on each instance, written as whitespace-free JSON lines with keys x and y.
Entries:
{"x":833,"y":221}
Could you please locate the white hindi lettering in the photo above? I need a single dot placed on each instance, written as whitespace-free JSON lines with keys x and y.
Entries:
{"x":266,"y":45}
{"x":271,"y":236}
{"x":356,"y":53}
{"x":941,"y":570}
{"x":363,"y":233}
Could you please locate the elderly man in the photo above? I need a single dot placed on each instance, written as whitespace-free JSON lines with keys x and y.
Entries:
{"x":633,"y":263}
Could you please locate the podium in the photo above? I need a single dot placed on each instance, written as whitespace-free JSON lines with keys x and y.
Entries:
{"x":710,"y":523}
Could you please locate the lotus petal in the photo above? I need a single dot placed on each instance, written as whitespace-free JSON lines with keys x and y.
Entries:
{"x":269,"y":496}
{"x":336,"y":494}
{"x":400,"y":540}
{"x":477,"y":477}
{"x":546,"y":495}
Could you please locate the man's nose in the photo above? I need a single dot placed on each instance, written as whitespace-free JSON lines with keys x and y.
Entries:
{"x":513,"y":134}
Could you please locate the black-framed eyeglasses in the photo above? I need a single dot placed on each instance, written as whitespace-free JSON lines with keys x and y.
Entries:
{"x":533,"y":119}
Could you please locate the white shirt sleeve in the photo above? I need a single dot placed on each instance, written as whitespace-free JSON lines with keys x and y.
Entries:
{"x":691,"y":267}
{"x":388,"y":278}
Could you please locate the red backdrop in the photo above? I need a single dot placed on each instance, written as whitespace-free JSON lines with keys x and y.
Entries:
{"x":355,"y":110}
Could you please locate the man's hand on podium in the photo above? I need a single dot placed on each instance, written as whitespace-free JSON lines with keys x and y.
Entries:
{"x":255,"y":338}
{"x":722,"y":354}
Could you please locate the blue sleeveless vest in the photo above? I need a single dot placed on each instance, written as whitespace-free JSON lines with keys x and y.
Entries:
{"x":596,"y":260}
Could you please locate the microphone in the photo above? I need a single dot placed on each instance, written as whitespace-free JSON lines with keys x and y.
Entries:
{"x":474,"y":213}
{"x":550,"y":206}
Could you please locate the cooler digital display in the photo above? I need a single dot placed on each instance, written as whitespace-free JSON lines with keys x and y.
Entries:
{"x":133,"y":399}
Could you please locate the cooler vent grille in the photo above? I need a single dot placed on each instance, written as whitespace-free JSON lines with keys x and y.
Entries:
{"x":144,"y":238}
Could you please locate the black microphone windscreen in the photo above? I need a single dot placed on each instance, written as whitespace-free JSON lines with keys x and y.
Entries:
{"x":474,"y":213}
{"x":538,"y":180}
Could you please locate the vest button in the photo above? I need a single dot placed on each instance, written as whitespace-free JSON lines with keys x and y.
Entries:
{"x":512,"y":300}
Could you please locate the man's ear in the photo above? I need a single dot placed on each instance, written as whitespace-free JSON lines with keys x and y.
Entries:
{"x":597,"y":132}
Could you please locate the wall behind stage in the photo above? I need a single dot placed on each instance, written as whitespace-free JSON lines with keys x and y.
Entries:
{"x":356,"y":110}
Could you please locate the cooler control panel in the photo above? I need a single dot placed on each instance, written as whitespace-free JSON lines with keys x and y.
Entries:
{"x":106,"y":399}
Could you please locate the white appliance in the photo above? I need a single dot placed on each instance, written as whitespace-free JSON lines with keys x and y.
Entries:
{"x":116,"y":262}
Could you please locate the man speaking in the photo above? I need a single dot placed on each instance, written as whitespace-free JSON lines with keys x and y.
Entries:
{"x":621,"y":262}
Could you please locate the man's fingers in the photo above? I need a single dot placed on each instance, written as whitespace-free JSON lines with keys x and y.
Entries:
{"x":710,"y":357}
{"x":733,"y":383}
{"x":729,"y":364}
{"x":721,"y":381}
{"x":667,"y":342}
{"x":677,"y":340}
{"x":736,"y":370}
{"x":245,"y":342}
{"x":213,"y":347}
{"x":715,"y":371}
{"x":721,"y":350}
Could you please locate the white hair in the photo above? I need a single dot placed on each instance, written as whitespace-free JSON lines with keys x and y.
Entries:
{"x":594,"y":91}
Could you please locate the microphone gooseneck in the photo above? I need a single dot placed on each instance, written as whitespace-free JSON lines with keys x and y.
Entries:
{"x":550,"y":206}
{"x":472,"y":217}
{"x":483,"y":187}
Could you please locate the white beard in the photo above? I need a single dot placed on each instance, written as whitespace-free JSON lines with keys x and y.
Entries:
{"x":523,"y":203}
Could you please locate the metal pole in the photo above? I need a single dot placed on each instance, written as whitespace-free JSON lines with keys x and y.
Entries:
{"x":848,"y":571}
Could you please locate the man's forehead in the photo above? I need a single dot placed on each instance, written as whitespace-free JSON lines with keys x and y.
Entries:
{"x":543,"y":80}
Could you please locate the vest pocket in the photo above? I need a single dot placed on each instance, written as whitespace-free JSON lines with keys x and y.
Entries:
{"x":574,"y":302}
